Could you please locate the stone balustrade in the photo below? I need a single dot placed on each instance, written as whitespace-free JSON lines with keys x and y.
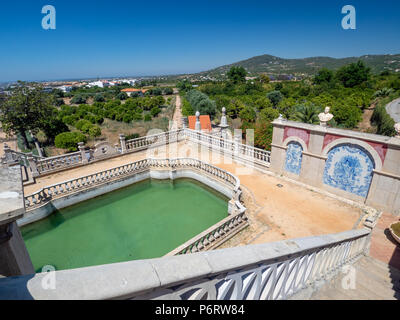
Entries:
{"x":74,"y":185}
{"x":42,"y":166}
{"x":270,"y":271}
{"x":154,"y":140}
{"x":230,"y":147}
{"x":57,"y":163}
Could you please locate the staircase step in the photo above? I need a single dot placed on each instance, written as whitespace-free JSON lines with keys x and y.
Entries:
{"x":374,"y":281}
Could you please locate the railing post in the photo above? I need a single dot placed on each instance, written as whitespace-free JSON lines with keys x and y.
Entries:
{"x":33,"y":166}
{"x":81,"y":147}
{"x":8,"y":154}
{"x":123,"y":143}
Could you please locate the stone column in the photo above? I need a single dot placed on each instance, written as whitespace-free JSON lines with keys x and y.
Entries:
{"x":123,"y":143}
{"x":81,"y":147}
{"x":184,"y":122}
{"x":14,"y":257}
{"x":224,"y":125}
{"x":8,"y":154}
{"x":278,"y":152}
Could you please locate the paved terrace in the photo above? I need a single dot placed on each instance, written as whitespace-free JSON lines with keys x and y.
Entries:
{"x":275,"y":213}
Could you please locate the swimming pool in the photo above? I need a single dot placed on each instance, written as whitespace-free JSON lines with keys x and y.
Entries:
{"x":145,"y":220}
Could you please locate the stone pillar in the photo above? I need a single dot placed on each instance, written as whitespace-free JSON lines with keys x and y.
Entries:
{"x":14,"y":257}
{"x":81,"y":147}
{"x":184,"y":122}
{"x":224,"y":125}
{"x":123,"y":143}
{"x":8,"y":154}
{"x":197,"y":126}
{"x":278,"y":153}
{"x":32,"y":165}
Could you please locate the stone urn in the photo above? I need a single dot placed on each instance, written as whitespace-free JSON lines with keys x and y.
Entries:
{"x":395,"y":236}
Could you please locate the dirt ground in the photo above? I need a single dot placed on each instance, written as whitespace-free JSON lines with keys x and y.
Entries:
{"x":275,"y":212}
{"x":10,"y":141}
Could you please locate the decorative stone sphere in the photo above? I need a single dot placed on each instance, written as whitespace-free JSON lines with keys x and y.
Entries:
{"x":197,"y":114}
{"x":223,"y":110}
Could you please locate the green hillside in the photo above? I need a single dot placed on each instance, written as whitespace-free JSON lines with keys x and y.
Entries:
{"x":308,"y":66}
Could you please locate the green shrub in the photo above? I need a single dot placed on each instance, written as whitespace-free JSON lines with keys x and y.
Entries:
{"x":81,"y":123}
{"x":99,"y":98}
{"x":95,"y":131}
{"x":384,"y":122}
{"x":86,"y":127}
{"x":69,"y":140}
{"x":70,"y":120}
{"x":132,"y":136}
{"x":155,"y":111}
{"x":78,"y":99}
{"x":147,"y":117}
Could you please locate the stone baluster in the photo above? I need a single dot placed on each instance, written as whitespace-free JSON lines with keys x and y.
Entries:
{"x":123,"y":143}
{"x":81,"y":147}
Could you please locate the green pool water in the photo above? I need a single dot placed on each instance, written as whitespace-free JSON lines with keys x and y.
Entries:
{"x":145,"y":220}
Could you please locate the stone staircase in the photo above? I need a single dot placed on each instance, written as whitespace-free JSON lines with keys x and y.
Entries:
{"x":375,"y":280}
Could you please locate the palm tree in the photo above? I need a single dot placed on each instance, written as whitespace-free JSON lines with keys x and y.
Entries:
{"x":307,"y":113}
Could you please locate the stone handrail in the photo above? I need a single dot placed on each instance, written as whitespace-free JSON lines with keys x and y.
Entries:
{"x":213,"y":236}
{"x":154,"y":140}
{"x":231,"y":147}
{"x":66,"y":187}
{"x":269,"y":271}
{"x":41,"y":165}
{"x":56,"y":163}
{"x":16,"y":156}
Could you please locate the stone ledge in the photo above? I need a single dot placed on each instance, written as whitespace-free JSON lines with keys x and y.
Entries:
{"x":130,"y":279}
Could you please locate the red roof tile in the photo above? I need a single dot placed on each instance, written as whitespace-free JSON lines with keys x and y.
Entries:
{"x":205,"y":122}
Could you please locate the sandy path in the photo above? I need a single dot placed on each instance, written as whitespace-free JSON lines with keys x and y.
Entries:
{"x":177,"y":118}
{"x":365,"y":124}
{"x":11,"y":142}
{"x":275,"y":213}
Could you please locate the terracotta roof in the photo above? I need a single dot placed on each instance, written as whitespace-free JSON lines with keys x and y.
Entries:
{"x":134,"y":90}
{"x":205,"y":122}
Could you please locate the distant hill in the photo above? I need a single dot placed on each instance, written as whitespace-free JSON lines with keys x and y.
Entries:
{"x":308,"y":66}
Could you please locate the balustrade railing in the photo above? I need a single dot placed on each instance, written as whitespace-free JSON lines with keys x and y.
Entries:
{"x":154,"y":140}
{"x":40,"y":165}
{"x":230,"y":147}
{"x":66,"y":187}
{"x":58,"y":162}
{"x":268,"y":271}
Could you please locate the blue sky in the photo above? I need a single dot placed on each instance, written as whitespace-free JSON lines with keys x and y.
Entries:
{"x":97,"y":38}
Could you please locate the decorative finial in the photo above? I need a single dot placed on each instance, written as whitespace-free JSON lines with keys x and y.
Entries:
{"x":197,"y":126}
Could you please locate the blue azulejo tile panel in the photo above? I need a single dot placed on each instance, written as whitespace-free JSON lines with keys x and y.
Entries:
{"x":349,"y":168}
{"x":294,"y":155}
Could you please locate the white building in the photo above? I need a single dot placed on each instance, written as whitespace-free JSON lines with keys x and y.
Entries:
{"x":100,"y":84}
{"x":65,"y":88}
